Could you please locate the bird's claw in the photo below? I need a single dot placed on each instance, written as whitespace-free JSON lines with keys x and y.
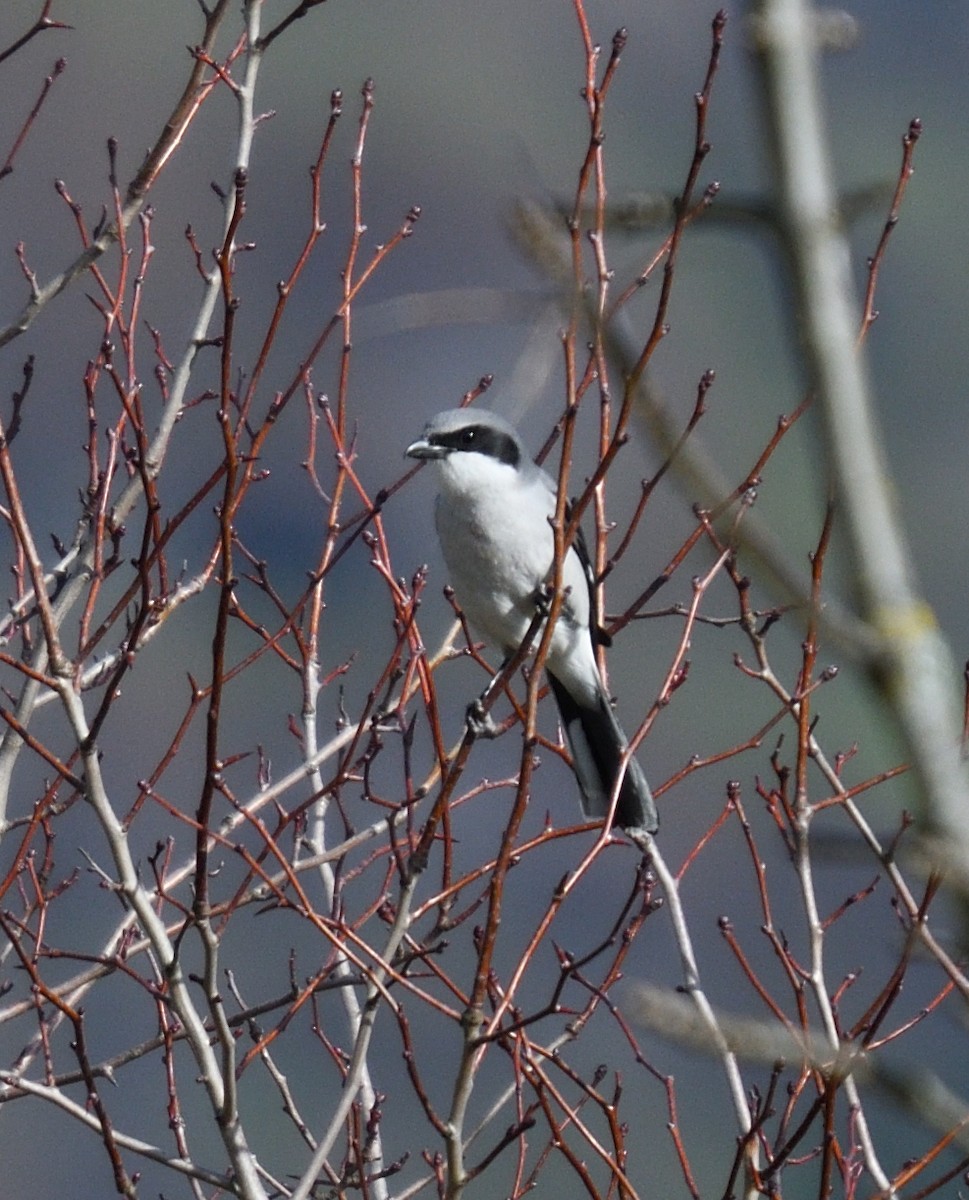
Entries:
{"x":543,"y":600}
{"x":480,"y":722}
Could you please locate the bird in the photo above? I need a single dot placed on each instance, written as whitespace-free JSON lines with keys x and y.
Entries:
{"x":493,"y":513}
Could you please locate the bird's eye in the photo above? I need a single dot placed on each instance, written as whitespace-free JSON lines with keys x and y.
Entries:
{"x":467,"y":438}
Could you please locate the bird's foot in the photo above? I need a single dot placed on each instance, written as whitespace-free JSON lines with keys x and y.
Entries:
{"x":480,"y":723}
{"x":542,"y":598}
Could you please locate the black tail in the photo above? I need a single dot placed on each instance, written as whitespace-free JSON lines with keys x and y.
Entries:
{"x":597,"y":743}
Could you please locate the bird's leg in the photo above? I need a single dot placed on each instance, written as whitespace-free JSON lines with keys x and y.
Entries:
{"x":478,"y":717}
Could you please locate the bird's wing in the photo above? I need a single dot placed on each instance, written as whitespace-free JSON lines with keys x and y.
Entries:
{"x":581,"y":548}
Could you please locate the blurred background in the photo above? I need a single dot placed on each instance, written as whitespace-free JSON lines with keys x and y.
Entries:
{"x":476,"y":107}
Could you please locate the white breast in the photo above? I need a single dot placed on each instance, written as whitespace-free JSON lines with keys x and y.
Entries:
{"x":493,"y":524}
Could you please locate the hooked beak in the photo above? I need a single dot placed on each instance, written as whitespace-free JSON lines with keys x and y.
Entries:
{"x":422,"y":448}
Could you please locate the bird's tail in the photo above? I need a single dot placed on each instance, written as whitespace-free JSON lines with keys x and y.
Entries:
{"x":598,"y":743}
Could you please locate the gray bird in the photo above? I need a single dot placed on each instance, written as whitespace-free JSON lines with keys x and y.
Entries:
{"x":492,"y":518}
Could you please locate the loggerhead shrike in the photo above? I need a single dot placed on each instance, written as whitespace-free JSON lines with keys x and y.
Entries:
{"x":492,"y":517}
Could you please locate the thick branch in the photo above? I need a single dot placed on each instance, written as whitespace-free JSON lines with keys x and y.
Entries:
{"x":914,"y":667}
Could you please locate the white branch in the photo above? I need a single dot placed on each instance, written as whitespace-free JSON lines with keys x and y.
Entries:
{"x":914,"y":667}
{"x":79,"y":1113}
